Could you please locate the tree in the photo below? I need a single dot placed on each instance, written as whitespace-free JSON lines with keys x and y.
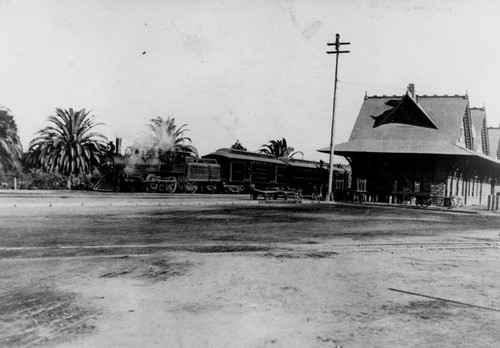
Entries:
{"x":279,"y":148}
{"x":69,"y":145}
{"x":237,"y":146}
{"x":11,"y":149}
{"x":163,"y":135}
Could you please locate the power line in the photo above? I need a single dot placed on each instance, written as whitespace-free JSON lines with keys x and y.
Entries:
{"x":367,"y":85}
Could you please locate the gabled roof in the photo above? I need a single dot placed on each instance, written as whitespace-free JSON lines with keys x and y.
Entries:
{"x":445,"y":112}
{"x":436,"y":126}
{"x":379,"y":130}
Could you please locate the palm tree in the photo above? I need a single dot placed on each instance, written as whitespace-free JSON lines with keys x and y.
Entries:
{"x":11,"y":149}
{"x":237,"y":146}
{"x":279,"y":148}
{"x":69,"y":144}
{"x":163,"y":135}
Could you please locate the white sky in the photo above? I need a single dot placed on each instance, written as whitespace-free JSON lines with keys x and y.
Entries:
{"x":252,"y":70}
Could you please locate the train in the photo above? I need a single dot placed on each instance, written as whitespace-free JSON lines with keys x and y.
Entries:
{"x":244,"y":170}
{"x":223,"y":171}
{"x":172,"y":171}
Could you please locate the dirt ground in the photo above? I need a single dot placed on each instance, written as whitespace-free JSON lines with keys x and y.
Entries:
{"x":138,"y":270}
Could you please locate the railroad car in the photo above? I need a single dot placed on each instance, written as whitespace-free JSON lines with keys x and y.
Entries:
{"x":242,"y":170}
{"x":309,"y":176}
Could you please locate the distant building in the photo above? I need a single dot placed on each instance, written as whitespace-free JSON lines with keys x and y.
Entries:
{"x":435,"y":146}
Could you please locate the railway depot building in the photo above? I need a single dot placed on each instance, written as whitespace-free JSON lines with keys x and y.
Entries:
{"x":415,"y":147}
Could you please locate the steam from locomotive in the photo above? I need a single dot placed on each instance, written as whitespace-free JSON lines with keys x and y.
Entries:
{"x":168,"y":169}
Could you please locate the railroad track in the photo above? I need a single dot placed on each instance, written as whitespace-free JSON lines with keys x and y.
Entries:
{"x":134,"y":250}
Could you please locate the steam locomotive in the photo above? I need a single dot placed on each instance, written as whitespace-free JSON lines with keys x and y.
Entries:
{"x":224,"y":171}
{"x":171,"y":171}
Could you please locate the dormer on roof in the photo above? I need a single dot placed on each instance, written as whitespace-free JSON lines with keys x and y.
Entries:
{"x":480,"y":130}
{"x":494,"y":141}
{"x":407,"y":111}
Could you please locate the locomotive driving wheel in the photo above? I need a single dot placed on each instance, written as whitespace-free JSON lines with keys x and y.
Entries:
{"x":190,"y":187}
{"x":186,"y":186}
{"x":151,"y":183}
{"x":152,"y":187}
{"x":210,"y":189}
{"x":169,"y":184}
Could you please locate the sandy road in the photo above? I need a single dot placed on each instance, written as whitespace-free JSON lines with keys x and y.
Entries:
{"x":197,"y":273}
{"x":283,"y":249}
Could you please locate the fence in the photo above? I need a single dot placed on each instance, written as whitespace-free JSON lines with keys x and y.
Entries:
{"x":46,"y":181}
{"x":13,"y":183}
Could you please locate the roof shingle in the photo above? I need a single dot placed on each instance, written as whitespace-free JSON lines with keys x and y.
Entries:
{"x":446,"y":112}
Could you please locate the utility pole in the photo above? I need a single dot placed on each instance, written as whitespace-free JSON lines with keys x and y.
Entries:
{"x":337,"y":44}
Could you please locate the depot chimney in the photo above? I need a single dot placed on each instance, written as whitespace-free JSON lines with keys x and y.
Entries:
{"x":411,"y":90}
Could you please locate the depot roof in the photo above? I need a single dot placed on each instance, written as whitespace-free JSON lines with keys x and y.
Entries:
{"x":434,"y":125}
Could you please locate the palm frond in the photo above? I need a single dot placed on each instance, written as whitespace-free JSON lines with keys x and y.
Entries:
{"x":68,"y":144}
{"x":278,"y":148}
{"x":162,"y":135}
{"x":10,"y":144}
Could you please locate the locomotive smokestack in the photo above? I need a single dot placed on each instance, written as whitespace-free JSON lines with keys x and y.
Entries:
{"x":118,"y":147}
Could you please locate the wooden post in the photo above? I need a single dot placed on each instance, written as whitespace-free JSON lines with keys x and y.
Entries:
{"x":15,"y":183}
{"x":337,"y":52}
{"x":481,"y":191}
